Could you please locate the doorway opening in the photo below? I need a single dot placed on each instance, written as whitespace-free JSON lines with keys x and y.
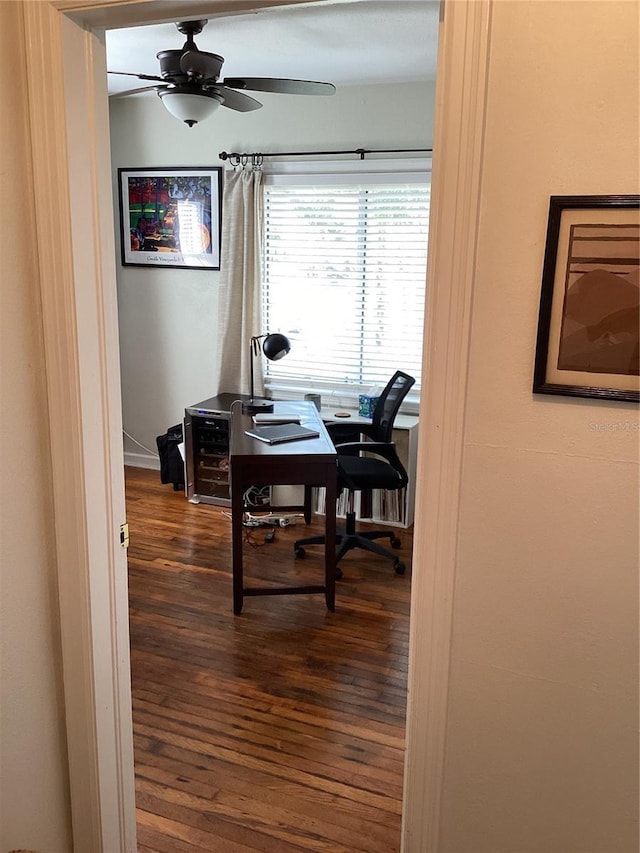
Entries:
{"x":132,"y":313}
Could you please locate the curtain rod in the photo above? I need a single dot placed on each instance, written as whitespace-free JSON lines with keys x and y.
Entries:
{"x":257,"y":157}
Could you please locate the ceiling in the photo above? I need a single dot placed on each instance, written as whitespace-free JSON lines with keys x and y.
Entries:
{"x":346,"y":42}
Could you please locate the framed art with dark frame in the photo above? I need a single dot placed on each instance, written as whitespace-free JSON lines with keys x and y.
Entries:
{"x":587,"y":343}
{"x":171,"y":217}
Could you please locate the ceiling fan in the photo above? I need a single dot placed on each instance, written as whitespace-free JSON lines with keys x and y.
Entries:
{"x":191,"y":91}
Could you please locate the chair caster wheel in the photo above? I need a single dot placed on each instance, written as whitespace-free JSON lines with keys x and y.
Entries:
{"x":399,"y":568}
{"x":299,"y":552}
{"x":339,"y":574}
{"x":395,"y":542}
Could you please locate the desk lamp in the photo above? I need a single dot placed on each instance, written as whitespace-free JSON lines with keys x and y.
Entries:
{"x":274,"y":346}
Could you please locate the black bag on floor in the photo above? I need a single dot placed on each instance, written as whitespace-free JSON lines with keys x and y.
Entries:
{"x":171,"y":464}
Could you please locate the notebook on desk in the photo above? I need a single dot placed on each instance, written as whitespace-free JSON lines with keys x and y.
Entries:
{"x":263,"y":418}
{"x":277,"y":433}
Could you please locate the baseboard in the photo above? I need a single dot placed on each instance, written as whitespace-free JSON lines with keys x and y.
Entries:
{"x":142,"y":460}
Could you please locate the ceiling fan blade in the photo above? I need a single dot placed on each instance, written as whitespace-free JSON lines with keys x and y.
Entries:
{"x":199,"y":63}
{"x":280,"y":85}
{"x":136,"y":91}
{"x":236,"y":100}
{"x":139,"y":76}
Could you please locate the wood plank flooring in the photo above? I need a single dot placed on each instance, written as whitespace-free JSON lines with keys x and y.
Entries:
{"x":279,"y":730}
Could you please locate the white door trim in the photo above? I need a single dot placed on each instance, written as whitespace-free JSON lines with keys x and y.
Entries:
{"x":463,"y":54}
{"x":69,"y":125}
{"x":76,"y":257}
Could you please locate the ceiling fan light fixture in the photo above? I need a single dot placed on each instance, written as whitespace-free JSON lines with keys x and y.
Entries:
{"x":190,"y":87}
{"x":188,"y":105}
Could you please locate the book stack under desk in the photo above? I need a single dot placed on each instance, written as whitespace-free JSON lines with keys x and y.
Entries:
{"x":376,"y":505}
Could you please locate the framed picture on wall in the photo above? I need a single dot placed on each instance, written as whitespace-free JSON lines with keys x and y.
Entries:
{"x":588,"y":342}
{"x":171,"y":217}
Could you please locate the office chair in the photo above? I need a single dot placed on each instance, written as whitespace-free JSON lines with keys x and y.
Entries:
{"x":384,"y":470}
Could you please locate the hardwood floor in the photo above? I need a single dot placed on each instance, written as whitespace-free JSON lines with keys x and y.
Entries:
{"x":279,"y":730}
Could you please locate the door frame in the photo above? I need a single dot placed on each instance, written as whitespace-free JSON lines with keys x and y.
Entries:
{"x":460,"y":108}
{"x":68,"y":112}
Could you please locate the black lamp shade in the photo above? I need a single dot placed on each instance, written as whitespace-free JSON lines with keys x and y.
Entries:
{"x":276,"y":346}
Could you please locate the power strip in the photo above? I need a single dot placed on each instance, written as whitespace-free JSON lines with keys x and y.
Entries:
{"x":271,"y":521}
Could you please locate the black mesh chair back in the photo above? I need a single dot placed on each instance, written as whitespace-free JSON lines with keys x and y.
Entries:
{"x":387,"y":407}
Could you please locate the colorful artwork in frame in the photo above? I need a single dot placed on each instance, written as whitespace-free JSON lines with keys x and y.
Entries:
{"x":588,"y":328}
{"x":171,"y":217}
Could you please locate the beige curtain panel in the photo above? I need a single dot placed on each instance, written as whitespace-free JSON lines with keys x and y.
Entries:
{"x":240,"y":262}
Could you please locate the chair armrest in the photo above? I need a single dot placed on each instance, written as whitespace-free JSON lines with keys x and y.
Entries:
{"x":378,"y":448}
{"x":365,"y":445}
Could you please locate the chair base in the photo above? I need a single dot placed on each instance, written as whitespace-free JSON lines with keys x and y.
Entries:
{"x":348,"y":539}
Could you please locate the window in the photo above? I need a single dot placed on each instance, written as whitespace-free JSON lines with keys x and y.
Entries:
{"x":344,"y":270}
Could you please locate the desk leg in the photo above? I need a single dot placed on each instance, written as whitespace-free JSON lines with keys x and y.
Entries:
{"x":308,"y":494}
{"x":237,"y":512}
{"x":330,"y":540}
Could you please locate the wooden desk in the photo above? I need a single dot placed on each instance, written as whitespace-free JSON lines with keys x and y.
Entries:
{"x":309,"y":463}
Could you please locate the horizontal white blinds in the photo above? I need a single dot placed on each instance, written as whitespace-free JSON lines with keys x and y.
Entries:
{"x":344,"y":278}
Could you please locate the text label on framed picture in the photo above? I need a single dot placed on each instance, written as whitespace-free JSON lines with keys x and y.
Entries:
{"x":171,"y":217}
{"x":588,"y":340}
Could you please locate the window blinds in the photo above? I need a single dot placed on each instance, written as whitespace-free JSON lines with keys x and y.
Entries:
{"x":344,"y":271}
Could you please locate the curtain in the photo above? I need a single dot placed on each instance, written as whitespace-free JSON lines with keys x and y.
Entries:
{"x":240,"y":259}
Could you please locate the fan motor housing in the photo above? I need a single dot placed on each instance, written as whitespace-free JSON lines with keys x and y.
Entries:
{"x":170,"y":64}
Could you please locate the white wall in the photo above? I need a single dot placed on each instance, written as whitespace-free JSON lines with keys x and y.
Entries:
{"x":542,"y":748}
{"x":167,"y":318}
{"x":34,"y":799}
